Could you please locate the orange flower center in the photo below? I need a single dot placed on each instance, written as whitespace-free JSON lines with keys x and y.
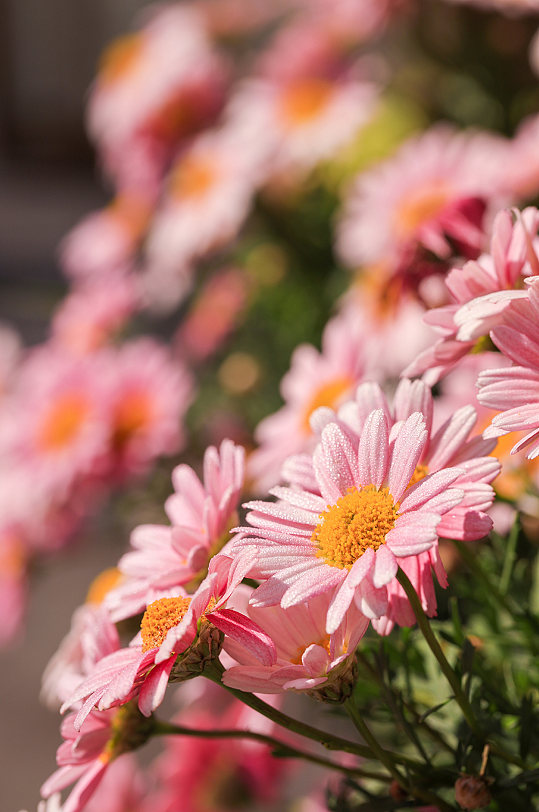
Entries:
{"x":323,"y":643}
{"x":102,"y":584}
{"x":119,"y":58}
{"x":63,"y":422}
{"x":418,"y":208}
{"x":193,"y":177}
{"x":159,"y":617}
{"x":358,"y":520}
{"x":302,"y":101}
{"x":132,"y":413}
{"x":329,"y":395}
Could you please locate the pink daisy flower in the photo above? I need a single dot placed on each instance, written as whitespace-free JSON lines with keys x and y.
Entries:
{"x":297,"y":123}
{"x":308,"y":659}
{"x":514,"y":390}
{"x":148,"y":393}
{"x":201,"y":514}
{"x":346,"y":537}
{"x":209,"y":194}
{"x":54,"y":421}
{"x":86,"y":754}
{"x":179,"y":635}
{"x":450,"y":445}
{"x":315,"y":379}
{"x":431,"y":196}
{"x":155,"y":86}
{"x":481,"y":290}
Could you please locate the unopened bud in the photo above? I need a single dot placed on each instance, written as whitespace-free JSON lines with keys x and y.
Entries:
{"x":472,"y":792}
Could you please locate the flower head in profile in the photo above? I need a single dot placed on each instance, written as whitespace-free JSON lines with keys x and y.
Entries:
{"x":155,"y":86}
{"x":201,"y":512}
{"x":480,"y":292}
{"x":431,"y":196}
{"x":86,"y":753}
{"x":349,"y":519}
{"x":179,"y":637}
{"x":308,"y":658}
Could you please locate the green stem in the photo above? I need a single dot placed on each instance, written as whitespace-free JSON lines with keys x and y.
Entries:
{"x":386,"y":758}
{"x":449,"y":673}
{"x":447,"y":670}
{"x":327,"y":740}
{"x":280,"y":749}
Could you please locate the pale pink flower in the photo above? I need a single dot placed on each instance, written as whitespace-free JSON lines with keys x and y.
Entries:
{"x":429,"y":197}
{"x":92,"y":636}
{"x":54,"y":419}
{"x":515,"y":390}
{"x":94,"y":312}
{"x":147,"y":394}
{"x":155,"y":86}
{"x":200,"y":513}
{"x":481,"y":290}
{"x":293,"y":125}
{"x":105,"y":241}
{"x":314,"y":379}
{"x":450,"y":445}
{"x":307,"y":657}
{"x":172,"y":625}
{"x":86,"y":754}
{"x":208,"y":197}
{"x":346,"y":538}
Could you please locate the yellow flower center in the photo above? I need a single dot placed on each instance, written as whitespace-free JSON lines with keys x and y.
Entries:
{"x":63,"y":421}
{"x":420,"y":207}
{"x":193,"y":177}
{"x":328,"y":395}
{"x":119,"y":58}
{"x":304,"y":100}
{"x":159,"y":617}
{"x":358,"y":520}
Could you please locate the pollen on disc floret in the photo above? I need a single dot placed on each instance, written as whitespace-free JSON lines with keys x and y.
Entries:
{"x":159,"y":617}
{"x":358,"y":520}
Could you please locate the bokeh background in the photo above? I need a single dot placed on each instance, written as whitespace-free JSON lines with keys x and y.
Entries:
{"x":48,"y":181}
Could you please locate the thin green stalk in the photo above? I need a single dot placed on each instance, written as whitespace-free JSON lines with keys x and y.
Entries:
{"x":281,"y":749}
{"x":447,"y":670}
{"x":327,"y":740}
{"x":449,"y":673}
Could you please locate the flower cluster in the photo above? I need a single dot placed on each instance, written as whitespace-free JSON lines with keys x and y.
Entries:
{"x":245,"y":151}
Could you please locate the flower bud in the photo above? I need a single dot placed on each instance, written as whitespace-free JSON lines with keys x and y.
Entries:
{"x":472,"y":792}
